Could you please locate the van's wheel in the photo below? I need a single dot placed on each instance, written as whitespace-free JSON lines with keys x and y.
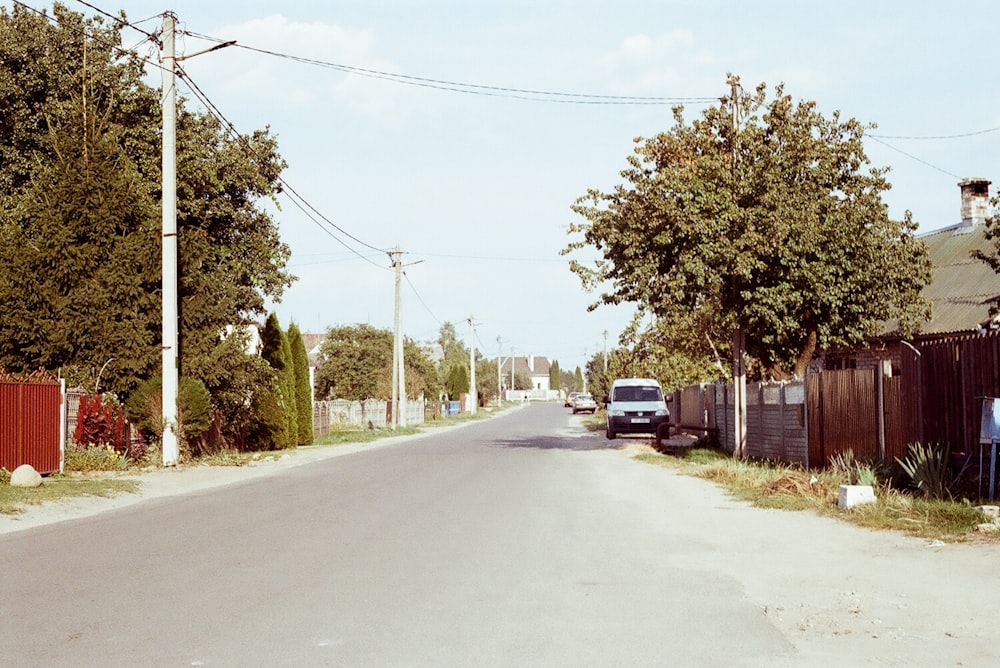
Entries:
{"x":610,"y":433}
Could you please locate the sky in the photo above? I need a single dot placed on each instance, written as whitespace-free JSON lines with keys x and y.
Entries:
{"x":476,"y":189}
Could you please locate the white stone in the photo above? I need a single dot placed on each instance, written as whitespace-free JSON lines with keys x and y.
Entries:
{"x":25,"y":475}
{"x":855,"y":495}
{"x":991,"y":512}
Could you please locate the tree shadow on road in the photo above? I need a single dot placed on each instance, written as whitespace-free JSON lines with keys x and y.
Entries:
{"x":578,"y":444}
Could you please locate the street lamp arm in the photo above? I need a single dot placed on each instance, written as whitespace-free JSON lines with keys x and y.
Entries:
{"x":208,"y":50}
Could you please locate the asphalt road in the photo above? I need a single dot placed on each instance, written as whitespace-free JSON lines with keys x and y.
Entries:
{"x":518,"y":541}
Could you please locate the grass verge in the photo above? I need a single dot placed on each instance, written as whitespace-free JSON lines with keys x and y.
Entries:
{"x":14,"y":500}
{"x":770,"y":485}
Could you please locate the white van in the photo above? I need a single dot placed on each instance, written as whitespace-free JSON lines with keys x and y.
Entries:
{"x":635,"y":405}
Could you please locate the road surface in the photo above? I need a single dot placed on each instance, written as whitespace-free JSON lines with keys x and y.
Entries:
{"x":523,"y":540}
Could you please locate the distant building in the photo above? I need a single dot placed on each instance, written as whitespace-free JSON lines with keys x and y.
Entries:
{"x":536,"y":368}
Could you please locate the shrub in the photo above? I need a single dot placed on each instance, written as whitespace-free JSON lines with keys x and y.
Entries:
{"x":929,"y":469}
{"x":852,"y":470}
{"x":194,"y":410}
{"x":101,"y":420}
{"x":96,"y":457}
{"x":4,"y":476}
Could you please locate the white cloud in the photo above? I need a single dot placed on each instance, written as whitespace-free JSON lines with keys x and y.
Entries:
{"x":266,"y":83}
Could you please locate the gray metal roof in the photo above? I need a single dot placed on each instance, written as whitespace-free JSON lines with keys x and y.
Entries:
{"x":963,"y":288}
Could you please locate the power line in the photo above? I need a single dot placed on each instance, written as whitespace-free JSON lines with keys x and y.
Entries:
{"x":492,"y":258}
{"x":962,"y":135}
{"x":421,"y":299}
{"x":473,"y":88}
{"x":913,"y":157}
{"x":298,"y":200}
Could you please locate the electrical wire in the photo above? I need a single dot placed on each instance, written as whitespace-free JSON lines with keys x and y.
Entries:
{"x":421,"y":299}
{"x":491,"y":258}
{"x":962,"y":135}
{"x":913,"y":157}
{"x":476,"y":89}
{"x":298,"y":200}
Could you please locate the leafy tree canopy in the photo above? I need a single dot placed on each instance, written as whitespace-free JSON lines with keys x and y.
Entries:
{"x":453,"y":351}
{"x":80,"y":215}
{"x":356,"y":364}
{"x":765,"y":216}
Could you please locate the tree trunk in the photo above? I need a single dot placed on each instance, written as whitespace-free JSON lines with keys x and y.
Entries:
{"x":808,"y":350}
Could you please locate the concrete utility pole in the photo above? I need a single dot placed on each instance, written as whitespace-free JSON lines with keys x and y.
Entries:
{"x":605,"y":353}
{"x":512,"y":361}
{"x":739,"y":336}
{"x":169,"y":371}
{"x":499,"y":376}
{"x":398,"y":364}
{"x":170,"y":315}
{"x":473,"y":399}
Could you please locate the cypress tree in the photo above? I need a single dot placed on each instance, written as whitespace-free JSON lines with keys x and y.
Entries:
{"x":303,"y":392}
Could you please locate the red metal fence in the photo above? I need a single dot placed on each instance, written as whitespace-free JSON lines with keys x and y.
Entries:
{"x":31,"y":426}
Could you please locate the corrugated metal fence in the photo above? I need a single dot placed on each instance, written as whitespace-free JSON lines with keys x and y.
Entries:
{"x":31,"y":426}
{"x":934,"y":397}
{"x":942,"y":402}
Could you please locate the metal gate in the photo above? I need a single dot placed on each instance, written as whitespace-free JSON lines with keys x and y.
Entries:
{"x":31,"y":425}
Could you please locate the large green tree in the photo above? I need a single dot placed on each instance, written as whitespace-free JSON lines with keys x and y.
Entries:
{"x":356,"y":364}
{"x":768,"y":217}
{"x":78,"y":243}
{"x":80,"y":218}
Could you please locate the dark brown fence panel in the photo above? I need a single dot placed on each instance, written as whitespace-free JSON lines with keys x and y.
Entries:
{"x":895,"y":419}
{"x":842,"y":415}
{"x":30,"y":426}
{"x":955,"y":375}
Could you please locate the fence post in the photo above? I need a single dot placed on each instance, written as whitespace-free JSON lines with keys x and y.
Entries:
{"x":880,"y":408}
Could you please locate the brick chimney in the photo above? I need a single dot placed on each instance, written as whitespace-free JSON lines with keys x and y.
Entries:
{"x":975,"y":202}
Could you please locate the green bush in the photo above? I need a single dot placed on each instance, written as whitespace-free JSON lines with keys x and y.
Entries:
{"x":194,"y":410}
{"x":102,"y":457}
{"x":4,"y":476}
{"x":929,"y":469}
{"x":852,"y":470}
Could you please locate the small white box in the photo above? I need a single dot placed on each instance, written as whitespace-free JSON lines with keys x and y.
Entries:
{"x":855,"y":495}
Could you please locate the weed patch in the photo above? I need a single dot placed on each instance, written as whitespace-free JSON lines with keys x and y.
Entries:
{"x":782,"y":487}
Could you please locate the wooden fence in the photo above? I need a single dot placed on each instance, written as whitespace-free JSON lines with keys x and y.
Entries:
{"x":933,"y":396}
{"x":946,"y":384}
{"x":31,"y":426}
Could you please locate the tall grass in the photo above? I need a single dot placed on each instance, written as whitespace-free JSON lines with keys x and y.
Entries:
{"x":780,"y":486}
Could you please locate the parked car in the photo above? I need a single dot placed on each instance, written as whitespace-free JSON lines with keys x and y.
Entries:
{"x":584,"y":403}
{"x":635,"y":405}
{"x":570,"y":397}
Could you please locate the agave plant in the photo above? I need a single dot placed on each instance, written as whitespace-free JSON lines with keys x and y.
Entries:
{"x":929,"y":468}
